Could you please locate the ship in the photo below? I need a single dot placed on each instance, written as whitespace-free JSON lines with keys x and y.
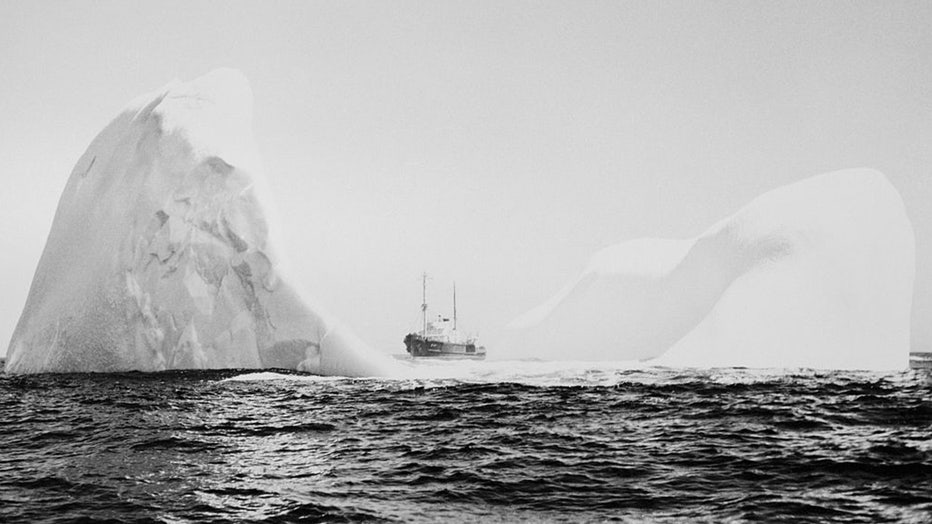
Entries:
{"x":440,"y":338}
{"x":920,"y":360}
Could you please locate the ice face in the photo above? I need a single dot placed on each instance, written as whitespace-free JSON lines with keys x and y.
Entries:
{"x":815,"y":274}
{"x":159,"y":256}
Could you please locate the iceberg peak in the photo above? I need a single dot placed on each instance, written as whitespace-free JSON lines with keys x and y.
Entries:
{"x":159,"y":256}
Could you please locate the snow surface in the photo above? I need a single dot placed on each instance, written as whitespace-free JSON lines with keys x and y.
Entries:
{"x":159,"y":256}
{"x":814,"y":274}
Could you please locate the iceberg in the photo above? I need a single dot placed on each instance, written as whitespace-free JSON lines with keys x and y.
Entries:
{"x":160,"y":256}
{"x":816,"y":274}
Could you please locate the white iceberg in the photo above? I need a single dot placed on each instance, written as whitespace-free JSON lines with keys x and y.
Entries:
{"x":814,"y":274}
{"x":159,"y":256}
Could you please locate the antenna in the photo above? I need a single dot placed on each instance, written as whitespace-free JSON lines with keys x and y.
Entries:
{"x":424,"y":303}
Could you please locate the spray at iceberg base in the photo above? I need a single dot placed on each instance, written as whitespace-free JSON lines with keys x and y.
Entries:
{"x":815,"y":274}
{"x":159,"y":255}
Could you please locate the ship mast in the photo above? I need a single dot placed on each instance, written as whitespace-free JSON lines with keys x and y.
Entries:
{"x":454,"y":305}
{"x":424,"y":303}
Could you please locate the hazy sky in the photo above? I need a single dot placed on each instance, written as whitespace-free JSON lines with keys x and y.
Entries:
{"x":495,"y":143}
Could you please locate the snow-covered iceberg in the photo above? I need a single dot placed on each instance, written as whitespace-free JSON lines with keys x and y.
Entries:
{"x":159,"y":256}
{"x":814,"y":274}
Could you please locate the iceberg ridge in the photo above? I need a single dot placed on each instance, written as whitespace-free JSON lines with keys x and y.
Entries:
{"x":815,"y":274}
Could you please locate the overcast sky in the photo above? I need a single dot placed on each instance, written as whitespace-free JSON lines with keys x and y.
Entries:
{"x":496,"y":143}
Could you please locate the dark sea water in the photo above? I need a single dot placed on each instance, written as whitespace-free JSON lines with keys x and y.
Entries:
{"x":500,"y":442}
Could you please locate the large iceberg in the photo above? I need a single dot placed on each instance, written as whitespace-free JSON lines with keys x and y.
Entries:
{"x":159,"y":256}
{"x":814,"y":274}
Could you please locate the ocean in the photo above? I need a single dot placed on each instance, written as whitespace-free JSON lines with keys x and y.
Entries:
{"x":477,"y":442}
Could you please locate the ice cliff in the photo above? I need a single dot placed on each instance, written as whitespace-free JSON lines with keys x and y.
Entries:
{"x":814,"y":274}
{"x":159,"y":255}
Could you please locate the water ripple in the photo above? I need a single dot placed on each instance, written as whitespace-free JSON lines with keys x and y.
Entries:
{"x":539,"y":443}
